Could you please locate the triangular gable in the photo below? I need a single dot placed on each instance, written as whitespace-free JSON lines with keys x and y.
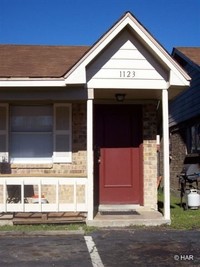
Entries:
{"x":125,"y":63}
{"x":176,"y":75}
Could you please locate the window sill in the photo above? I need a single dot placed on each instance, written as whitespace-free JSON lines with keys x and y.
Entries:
{"x":31,"y":166}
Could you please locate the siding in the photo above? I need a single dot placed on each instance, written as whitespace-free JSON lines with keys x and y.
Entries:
{"x":125,"y":63}
{"x":186,"y":105}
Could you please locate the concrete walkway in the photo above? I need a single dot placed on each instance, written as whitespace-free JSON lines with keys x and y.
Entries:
{"x":144,"y":217}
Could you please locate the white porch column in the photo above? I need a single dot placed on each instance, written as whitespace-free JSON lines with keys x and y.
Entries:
{"x":90,"y":186}
{"x":166,"y":173}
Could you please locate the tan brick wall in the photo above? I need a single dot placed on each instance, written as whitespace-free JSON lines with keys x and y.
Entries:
{"x":150,"y":156}
{"x":66,"y":193}
{"x":77,"y":167}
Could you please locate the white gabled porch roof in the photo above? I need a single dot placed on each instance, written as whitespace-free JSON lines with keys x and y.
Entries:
{"x":177,"y":77}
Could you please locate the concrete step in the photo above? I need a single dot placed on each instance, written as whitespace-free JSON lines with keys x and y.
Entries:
{"x":6,"y":218}
{"x":121,"y":207}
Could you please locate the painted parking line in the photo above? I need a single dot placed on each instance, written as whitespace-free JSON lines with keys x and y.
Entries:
{"x":94,"y":255}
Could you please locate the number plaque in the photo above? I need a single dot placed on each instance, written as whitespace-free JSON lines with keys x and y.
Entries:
{"x":127,"y":74}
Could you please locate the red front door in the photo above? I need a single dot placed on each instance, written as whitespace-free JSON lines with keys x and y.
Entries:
{"x":118,"y":141}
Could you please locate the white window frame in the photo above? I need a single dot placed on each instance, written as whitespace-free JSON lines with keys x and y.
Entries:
{"x":62,"y":157}
{"x":4,"y":156}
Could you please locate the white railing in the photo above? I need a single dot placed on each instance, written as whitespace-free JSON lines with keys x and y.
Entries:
{"x":74,"y":199}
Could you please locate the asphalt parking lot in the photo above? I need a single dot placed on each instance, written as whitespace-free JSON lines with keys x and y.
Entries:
{"x":106,"y":247}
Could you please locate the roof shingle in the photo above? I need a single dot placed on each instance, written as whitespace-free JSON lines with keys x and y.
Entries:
{"x":37,"y":61}
{"x":193,"y":53}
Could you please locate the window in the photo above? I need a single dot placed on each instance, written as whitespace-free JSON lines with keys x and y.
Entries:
{"x":62,"y":133}
{"x":195,"y":138}
{"x":31,"y":134}
{"x":3,"y":133}
{"x":38,"y":133}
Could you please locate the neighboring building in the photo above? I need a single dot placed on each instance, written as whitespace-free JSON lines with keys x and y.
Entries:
{"x":184,"y":118}
{"x":78,"y":125}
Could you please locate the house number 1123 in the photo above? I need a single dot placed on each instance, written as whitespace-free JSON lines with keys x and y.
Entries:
{"x":127,"y":74}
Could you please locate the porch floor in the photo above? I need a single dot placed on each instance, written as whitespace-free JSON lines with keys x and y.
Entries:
{"x":144,"y":217}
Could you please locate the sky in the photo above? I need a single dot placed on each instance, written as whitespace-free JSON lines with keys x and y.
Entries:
{"x":82,"y":22}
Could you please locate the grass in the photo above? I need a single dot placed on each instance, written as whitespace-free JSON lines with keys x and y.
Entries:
{"x":49,"y":227}
{"x":42,"y":227}
{"x":180,"y":218}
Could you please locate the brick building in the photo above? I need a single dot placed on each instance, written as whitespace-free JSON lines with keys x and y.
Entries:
{"x":78,"y":125}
